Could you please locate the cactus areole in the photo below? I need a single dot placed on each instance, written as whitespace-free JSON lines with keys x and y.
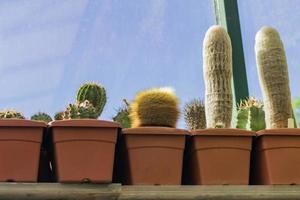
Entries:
{"x":273,"y":77}
{"x":217,"y":70}
{"x":95,"y":94}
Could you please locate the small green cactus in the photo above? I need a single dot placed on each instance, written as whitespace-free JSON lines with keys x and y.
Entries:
{"x":59,"y":115}
{"x":41,"y":116}
{"x":84,"y":110}
{"x":122,"y":115}
{"x":155,"y":107}
{"x":251,"y":115}
{"x":95,"y":94}
{"x":194,"y":114}
{"x":11,"y":114}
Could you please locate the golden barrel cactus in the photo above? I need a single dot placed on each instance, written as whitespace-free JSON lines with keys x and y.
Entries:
{"x":217,"y":71}
{"x":155,"y":107}
{"x":273,"y":77}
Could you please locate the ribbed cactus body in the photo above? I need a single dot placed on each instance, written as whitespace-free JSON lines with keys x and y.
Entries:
{"x":251,"y":115}
{"x":11,"y":114}
{"x":194,"y":115}
{"x":95,"y":94}
{"x":273,"y":77}
{"x":41,"y":116}
{"x":155,"y":107}
{"x":217,"y":70}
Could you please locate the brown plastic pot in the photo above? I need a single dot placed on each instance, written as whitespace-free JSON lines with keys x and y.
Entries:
{"x":154,"y":155}
{"x":20,"y":142}
{"x":220,"y":157}
{"x":84,"y":150}
{"x":277,"y":157}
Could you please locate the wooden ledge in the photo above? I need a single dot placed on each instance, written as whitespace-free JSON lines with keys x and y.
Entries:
{"x":56,"y":191}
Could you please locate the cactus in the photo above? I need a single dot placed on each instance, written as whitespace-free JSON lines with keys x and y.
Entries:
{"x":251,"y":115}
{"x":194,"y":115}
{"x":273,"y":77}
{"x":41,"y":116}
{"x":11,"y":114}
{"x":217,"y":70}
{"x":84,"y":110}
{"x":59,"y":115}
{"x":155,"y":107}
{"x":122,"y":115}
{"x":95,"y":94}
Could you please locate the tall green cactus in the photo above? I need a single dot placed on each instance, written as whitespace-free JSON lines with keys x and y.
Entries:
{"x":11,"y":114}
{"x":273,"y":77}
{"x":194,"y":114}
{"x":41,"y":116}
{"x":217,"y":70}
{"x":95,"y":94}
{"x":155,"y":107}
{"x":251,"y":115}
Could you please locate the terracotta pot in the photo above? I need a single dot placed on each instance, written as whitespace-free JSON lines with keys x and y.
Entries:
{"x":154,"y":155}
{"x":84,"y":150}
{"x":277,"y":157}
{"x":20,"y":142}
{"x":220,"y":157}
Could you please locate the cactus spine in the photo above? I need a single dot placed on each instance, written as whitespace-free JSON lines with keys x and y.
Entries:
{"x":155,"y":107}
{"x":84,"y":110}
{"x":11,"y":114}
{"x":217,"y":68}
{"x":95,"y":94}
{"x":194,"y":114}
{"x":251,"y":115}
{"x":41,"y":116}
{"x":122,"y":115}
{"x":273,"y":77}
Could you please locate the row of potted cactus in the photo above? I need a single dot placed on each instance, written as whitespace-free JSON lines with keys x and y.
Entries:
{"x":150,"y":150}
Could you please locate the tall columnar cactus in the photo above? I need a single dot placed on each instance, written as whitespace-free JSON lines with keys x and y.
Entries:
{"x":95,"y":94}
{"x":11,"y":114}
{"x":251,"y":115}
{"x":155,"y":107}
{"x":217,"y":70}
{"x":122,"y":115}
{"x":41,"y":116}
{"x":84,"y":110}
{"x":194,"y":114}
{"x":273,"y":77}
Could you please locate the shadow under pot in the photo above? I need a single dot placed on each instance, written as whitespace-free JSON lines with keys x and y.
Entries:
{"x":20,"y":143}
{"x":153,"y":155}
{"x":84,"y":150}
{"x":219,"y":157}
{"x":277,"y":157}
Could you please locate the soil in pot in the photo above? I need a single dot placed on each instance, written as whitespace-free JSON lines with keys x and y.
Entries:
{"x":153,"y":155}
{"x":84,"y":150}
{"x":219,"y":157}
{"x":277,"y":157}
{"x":20,"y":143}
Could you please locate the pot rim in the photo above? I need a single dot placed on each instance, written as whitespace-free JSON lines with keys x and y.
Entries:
{"x":84,"y":123}
{"x":279,"y":132}
{"x":21,"y":123}
{"x":223,"y":132}
{"x":154,"y":130}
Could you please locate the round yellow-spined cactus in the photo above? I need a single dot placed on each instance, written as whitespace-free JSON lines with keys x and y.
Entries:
{"x":273,"y":77}
{"x":217,"y":71}
{"x":155,"y":107}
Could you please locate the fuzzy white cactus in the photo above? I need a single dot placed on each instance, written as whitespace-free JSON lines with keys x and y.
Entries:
{"x":273,"y":77}
{"x":217,"y":70}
